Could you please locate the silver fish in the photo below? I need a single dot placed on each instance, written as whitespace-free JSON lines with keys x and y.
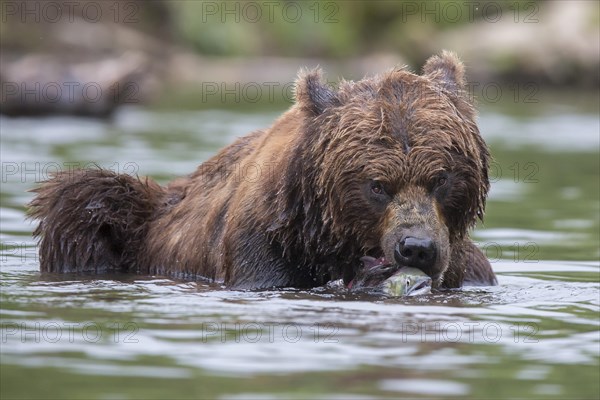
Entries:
{"x":407,"y":282}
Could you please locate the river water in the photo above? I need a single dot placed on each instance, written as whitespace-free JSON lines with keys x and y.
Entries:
{"x":536,"y":335}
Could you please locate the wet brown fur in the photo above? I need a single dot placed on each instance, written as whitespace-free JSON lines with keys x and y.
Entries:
{"x":289,"y":206}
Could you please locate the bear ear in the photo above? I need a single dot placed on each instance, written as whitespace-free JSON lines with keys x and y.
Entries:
{"x":312,"y":94}
{"x":447,"y":70}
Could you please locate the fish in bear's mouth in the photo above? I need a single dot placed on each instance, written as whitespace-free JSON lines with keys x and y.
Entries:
{"x":377,"y":275}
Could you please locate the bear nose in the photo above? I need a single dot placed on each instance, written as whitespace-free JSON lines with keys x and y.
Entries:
{"x":415,"y":252}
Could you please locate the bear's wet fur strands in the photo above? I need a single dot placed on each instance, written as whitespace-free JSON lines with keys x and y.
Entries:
{"x":392,"y":167}
{"x":93,"y":220}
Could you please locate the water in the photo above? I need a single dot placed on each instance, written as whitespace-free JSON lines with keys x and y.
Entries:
{"x":536,"y":335}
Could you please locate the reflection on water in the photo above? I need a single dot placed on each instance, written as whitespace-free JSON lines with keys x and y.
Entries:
{"x":535,"y":335}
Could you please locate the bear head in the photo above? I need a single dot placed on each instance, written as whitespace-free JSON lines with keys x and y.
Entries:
{"x":391,"y":167}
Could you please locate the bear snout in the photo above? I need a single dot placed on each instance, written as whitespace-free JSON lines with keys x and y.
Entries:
{"x":417,"y":252}
{"x":418,"y":247}
{"x":416,"y":235}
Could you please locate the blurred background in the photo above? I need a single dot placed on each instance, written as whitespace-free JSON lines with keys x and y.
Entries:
{"x":164,"y":52}
{"x":154,"y":88}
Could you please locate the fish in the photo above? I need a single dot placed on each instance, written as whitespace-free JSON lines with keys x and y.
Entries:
{"x":407,"y":281}
{"x":381,"y":277}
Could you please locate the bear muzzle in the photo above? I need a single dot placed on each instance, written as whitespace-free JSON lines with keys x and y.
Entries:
{"x":416,"y":252}
{"x":415,"y":235}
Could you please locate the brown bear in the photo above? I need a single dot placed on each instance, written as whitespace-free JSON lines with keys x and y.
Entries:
{"x":389,"y":168}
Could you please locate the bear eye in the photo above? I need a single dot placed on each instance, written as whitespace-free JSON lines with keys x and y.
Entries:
{"x":377,"y":188}
{"x":441,"y":180}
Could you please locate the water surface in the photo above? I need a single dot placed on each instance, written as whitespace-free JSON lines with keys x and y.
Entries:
{"x":536,"y":335}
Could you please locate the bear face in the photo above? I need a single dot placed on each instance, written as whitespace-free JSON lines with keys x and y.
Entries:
{"x":395,"y":163}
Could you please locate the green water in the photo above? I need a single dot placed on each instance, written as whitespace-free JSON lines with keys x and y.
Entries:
{"x":534,"y":336}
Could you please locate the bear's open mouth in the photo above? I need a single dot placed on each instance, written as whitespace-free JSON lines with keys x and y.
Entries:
{"x":371,"y":262}
{"x":377,"y":275}
{"x":373,"y":271}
